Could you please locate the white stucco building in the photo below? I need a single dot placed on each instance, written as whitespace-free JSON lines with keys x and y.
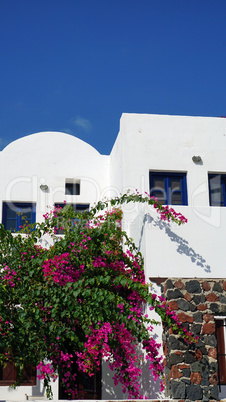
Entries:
{"x":179,"y":159}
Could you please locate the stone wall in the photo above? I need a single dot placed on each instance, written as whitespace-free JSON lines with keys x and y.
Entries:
{"x":191,"y":371}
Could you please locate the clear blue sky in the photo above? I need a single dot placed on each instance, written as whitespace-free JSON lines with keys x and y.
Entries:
{"x":77,"y":65}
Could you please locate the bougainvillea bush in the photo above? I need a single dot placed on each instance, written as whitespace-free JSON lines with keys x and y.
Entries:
{"x":65,"y":308}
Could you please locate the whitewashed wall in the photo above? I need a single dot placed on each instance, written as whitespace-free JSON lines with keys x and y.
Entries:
{"x":145,"y":142}
{"x":167,"y":144}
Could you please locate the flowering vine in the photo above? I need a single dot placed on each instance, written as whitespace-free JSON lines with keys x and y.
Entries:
{"x":66,"y":308}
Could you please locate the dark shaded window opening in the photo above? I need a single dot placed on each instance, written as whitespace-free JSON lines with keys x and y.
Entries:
{"x":72,"y":188}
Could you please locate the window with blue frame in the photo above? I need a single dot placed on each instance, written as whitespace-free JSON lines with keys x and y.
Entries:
{"x":17,"y":214}
{"x":217,"y":190}
{"x":169,"y":188}
{"x":76,"y":208}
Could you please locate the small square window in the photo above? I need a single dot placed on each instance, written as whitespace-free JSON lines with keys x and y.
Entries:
{"x":72,"y":187}
{"x":169,"y":188}
{"x":76,"y":208}
{"x":217,"y":190}
{"x":17,"y":214}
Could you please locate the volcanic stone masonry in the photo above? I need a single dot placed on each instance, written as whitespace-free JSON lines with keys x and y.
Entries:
{"x":191,"y":371}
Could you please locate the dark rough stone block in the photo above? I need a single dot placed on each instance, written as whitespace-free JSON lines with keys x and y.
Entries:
{"x":204,"y":382}
{"x":178,"y":389}
{"x":202,"y":367}
{"x":214,"y":392}
{"x":197,"y":299}
{"x":174,"y":294}
{"x":194,"y":392}
{"x":183,"y":305}
{"x":175,"y":359}
{"x":198,"y":316}
{"x":196,"y":328}
{"x":169,"y":284}
{"x":222,"y":299}
{"x":183,"y":345}
{"x":186,"y":372}
{"x":173,"y":342}
{"x":193,"y":307}
{"x":200,"y":342}
{"x":217,"y":287}
{"x":177,"y":343}
{"x":214,"y":307}
{"x":210,"y":340}
{"x":203,"y":298}
{"x":203,"y":350}
{"x":193,"y":286}
{"x":197,"y":367}
{"x":189,"y":357}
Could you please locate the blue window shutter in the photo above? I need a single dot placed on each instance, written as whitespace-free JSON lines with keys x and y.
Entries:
{"x":14,"y":214}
